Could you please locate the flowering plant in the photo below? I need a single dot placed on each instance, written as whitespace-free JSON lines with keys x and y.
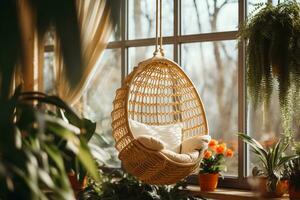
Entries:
{"x":214,"y":157}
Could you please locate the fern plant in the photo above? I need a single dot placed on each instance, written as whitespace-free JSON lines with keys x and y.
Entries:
{"x":272,"y":37}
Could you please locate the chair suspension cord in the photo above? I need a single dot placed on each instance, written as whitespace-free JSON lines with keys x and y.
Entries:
{"x":156,"y":32}
{"x":160,"y":39}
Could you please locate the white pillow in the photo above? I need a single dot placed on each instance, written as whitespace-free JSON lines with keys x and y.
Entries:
{"x":195,"y":143}
{"x":170,"y":135}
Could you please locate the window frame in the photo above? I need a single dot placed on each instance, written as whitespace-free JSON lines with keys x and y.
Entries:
{"x":176,"y":40}
{"x":239,"y":182}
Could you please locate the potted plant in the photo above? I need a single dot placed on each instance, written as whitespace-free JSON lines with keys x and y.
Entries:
{"x":268,"y":178}
{"x":293,"y":169}
{"x":32,"y":160}
{"x":273,"y":56}
{"x":78,"y":161}
{"x":212,"y":164}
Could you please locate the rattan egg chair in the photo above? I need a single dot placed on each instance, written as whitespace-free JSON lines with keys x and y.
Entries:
{"x":157,"y":92}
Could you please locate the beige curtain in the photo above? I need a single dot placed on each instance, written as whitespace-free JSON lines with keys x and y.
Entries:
{"x":96,"y":27}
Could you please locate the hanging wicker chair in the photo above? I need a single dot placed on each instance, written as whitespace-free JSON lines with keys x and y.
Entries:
{"x":157,"y":92}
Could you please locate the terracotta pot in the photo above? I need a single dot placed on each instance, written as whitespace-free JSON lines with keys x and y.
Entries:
{"x":294,"y":195}
{"x":208,"y":182}
{"x":281,"y":188}
{"x":77,"y":185}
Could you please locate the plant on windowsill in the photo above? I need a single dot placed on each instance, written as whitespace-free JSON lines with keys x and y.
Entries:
{"x":273,"y":56}
{"x":293,"y":172}
{"x":120,"y":185}
{"x":212,"y":164}
{"x":268,"y":177}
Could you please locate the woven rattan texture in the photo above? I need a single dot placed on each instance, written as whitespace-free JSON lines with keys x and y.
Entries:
{"x":157,"y":92}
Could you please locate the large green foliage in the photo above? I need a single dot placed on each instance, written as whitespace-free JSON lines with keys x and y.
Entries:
{"x":37,"y":148}
{"x":34,"y":158}
{"x":273,"y":53}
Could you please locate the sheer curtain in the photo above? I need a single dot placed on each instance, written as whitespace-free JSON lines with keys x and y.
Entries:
{"x":95,"y":26}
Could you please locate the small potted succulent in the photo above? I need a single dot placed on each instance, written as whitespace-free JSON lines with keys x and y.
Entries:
{"x":268,"y":177}
{"x":212,"y":164}
{"x":294,"y":175}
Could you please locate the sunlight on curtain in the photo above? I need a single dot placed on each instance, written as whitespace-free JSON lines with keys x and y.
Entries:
{"x":96,"y":27}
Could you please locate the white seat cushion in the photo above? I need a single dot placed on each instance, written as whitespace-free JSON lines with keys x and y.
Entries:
{"x":181,"y":158}
{"x":195,"y":143}
{"x":151,"y":142}
{"x":169,"y":135}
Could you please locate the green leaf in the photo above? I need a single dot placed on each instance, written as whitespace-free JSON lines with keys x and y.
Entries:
{"x":285,"y":159}
{"x":55,"y":155}
{"x":258,"y":148}
{"x":87,"y":160}
{"x":87,"y":126}
{"x":75,"y":144}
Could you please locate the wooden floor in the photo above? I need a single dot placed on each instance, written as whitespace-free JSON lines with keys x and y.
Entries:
{"x":228,"y":194}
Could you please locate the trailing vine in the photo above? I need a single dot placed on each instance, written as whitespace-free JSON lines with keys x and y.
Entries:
{"x":272,"y":36}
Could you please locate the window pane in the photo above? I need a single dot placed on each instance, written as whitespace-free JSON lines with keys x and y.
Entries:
{"x":97,"y":104}
{"x":212,"y":66}
{"x":138,"y":54}
{"x":50,"y":37}
{"x":252,"y":6}
{"x":265,"y":125}
{"x":142,"y":18}
{"x":48,"y":73}
{"x":208,"y":16}
{"x":116,"y":33}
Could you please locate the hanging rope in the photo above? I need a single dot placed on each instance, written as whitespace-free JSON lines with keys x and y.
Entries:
{"x":160,"y":23}
{"x":160,"y":40}
{"x":156,"y":32}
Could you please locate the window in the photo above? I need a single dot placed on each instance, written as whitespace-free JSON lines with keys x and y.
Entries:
{"x":212,"y":66}
{"x":47,"y":77}
{"x":197,"y":37}
{"x":97,"y":105}
{"x":200,"y":35}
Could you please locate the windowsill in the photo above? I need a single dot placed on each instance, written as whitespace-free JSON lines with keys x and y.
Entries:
{"x":228,"y":194}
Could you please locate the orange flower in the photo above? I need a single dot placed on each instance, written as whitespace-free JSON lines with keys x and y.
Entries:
{"x":213,"y":143}
{"x":207,"y":154}
{"x":229,"y":153}
{"x":220,"y":148}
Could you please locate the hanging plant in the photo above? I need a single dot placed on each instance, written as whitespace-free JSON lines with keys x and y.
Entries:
{"x":272,"y":37}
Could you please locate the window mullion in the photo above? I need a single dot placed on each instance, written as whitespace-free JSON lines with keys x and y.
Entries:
{"x":177,"y":20}
{"x":242,"y":164}
{"x":124,"y":36}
